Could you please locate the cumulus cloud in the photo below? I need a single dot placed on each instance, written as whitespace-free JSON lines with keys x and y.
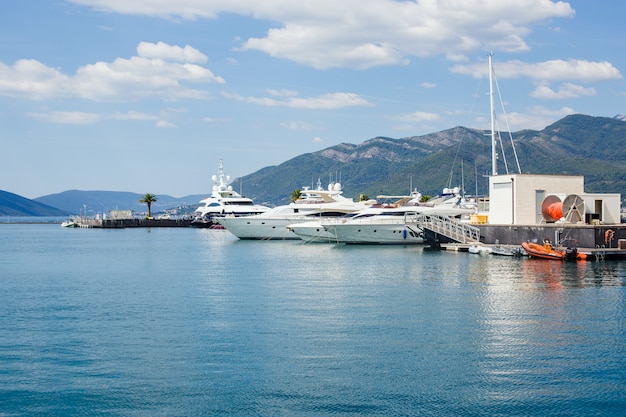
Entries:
{"x":32,"y":79}
{"x":536,"y":117}
{"x":329,"y":33}
{"x":67,"y":117}
{"x":297,"y":125}
{"x":282,"y":93}
{"x":83,"y":118}
{"x":134,"y":115}
{"x":164,"y":124}
{"x":558,"y":69}
{"x":325,"y":101}
{"x":161,"y":50}
{"x":417,"y":117}
{"x":160,"y":70}
{"x":565,"y":91}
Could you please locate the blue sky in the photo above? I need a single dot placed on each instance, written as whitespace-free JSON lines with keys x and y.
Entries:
{"x":147,"y":96}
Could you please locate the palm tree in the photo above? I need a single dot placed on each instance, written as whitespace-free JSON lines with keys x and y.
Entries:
{"x":149,"y":199}
{"x":295,"y":195}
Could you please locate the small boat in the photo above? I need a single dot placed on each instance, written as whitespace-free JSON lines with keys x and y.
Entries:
{"x":544,"y":251}
{"x":479,"y":249}
{"x":69,"y":223}
{"x":507,"y":251}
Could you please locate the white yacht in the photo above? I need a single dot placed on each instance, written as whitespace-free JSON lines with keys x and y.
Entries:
{"x":395,"y":225}
{"x":223,"y":201}
{"x":312,"y":205}
{"x":313,"y":231}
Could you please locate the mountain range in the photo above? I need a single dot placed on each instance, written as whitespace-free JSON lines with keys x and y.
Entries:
{"x":16,"y":205}
{"x":575,"y":145}
{"x":594,"y":147}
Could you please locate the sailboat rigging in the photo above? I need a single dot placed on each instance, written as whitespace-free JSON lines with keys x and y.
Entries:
{"x":495,"y":133}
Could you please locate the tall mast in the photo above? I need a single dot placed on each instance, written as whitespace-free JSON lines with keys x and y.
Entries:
{"x":494,"y":155}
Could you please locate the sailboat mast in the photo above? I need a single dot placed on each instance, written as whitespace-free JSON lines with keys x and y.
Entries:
{"x":494,"y":155}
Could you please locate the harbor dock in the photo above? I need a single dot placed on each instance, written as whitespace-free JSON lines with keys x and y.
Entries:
{"x":133,"y":222}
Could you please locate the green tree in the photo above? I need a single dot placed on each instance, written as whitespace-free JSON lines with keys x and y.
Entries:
{"x":295,"y":195}
{"x":363,"y":197}
{"x":149,"y":199}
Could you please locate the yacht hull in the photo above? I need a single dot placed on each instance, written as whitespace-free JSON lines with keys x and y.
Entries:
{"x":380,"y":234}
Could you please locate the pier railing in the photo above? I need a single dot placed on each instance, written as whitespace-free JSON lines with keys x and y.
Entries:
{"x":450,"y":228}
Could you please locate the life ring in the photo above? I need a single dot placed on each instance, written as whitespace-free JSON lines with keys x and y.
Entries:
{"x":608,"y":235}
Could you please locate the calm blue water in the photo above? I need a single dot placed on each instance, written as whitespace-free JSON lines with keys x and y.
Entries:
{"x":190,"y":322}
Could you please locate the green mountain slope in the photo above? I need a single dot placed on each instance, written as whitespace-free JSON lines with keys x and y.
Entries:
{"x":576,"y":145}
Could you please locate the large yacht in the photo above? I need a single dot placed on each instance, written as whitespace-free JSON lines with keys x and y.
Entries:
{"x":312,"y":204}
{"x":223,"y":201}
{"x":314,"y":231}
{"x":396,"y":225}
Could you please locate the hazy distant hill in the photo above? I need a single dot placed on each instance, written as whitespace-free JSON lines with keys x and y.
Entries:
{"x":575,"y":145}
{"x":74,"y":201}
{"x":15,"y":205}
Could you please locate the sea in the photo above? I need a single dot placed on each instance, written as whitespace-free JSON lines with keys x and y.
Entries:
{"x":194,"y":322}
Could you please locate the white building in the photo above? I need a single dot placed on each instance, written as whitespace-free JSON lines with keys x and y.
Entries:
{"x":525,"y":199}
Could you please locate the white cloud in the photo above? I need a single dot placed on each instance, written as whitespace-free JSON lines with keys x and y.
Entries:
{"x":161,"y":50}
{"x":82,"y":118}
{"x":317,"y":140}
{"x":164,"y":124}
{"x":296,"y":125}
{"x":133,"y":115}
{"x":537,"y":117}
{"x":404,"y":128}
{"x":32,"y":79}
{"x":573,"y":69}
{"x":329,"y":33}
{"x":417,"y":117}
{"x":329,"y":101}
{"x":566,"y":91}
{"x":121,"y":80}
{"x":325,"y":101}
{"x":428,"y":85}
{"x":282,"y":93}
{"x":67,"y":117}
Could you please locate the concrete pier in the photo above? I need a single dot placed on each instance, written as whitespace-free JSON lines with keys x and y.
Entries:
{"x":571,"y":235}
{"x":124,"y":223}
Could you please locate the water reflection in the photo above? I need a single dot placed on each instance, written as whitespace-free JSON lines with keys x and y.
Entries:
{"x":556,"y":275}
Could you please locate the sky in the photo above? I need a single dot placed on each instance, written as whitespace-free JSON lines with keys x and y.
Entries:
{"x":147,"y":96}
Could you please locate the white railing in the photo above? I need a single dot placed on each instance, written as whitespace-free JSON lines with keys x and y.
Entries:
{"x":452,"y":229}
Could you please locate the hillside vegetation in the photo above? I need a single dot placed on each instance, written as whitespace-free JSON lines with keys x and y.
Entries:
{"x":576,"y":145}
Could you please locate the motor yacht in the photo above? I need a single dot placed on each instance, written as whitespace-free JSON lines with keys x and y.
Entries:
{"x":313,"y":204}
{"x":395,"y":225}
{"x":223,"y":201}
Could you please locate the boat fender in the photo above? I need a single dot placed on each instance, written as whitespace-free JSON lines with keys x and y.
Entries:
{"x":404,"y":233}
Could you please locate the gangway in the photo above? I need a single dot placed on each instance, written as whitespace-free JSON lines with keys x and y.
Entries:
{"x":452,"y":229}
